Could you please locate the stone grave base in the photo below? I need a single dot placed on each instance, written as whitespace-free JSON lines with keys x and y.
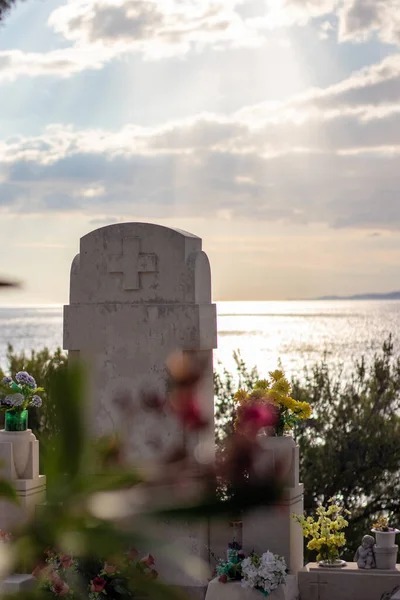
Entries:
{"x":234,"y":591}
{"x":192,"y":592}
{"x":346,"y":583}
{"x":30,"y":493}
{"x":15,"y":584}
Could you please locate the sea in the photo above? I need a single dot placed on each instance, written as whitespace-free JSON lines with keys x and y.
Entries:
{"x":293,"y":334}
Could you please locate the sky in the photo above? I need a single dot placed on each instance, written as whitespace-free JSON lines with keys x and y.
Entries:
{"x":270,"y":128}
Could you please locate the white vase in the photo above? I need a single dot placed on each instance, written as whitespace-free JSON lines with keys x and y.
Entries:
{"x":385,"y":539}
{"x":21,"y":449}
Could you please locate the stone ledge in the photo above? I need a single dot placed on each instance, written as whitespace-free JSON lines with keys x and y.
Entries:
{"x":192,"y":592}
{"x":234,"y":591}
{"x":351,"y":567}
{"x":17,"y":583}
{"x":31,"y":486}
{"x":346,"y":583}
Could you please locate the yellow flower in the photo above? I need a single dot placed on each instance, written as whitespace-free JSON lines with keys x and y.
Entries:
{"x":258,"y":394}
{"x":282,"y":386}
{"x":325,"y":529}
{"x":262,"y":384}
{"x":240,"y":395}
{"x":276,"y":392}
{"x":277,"y":375}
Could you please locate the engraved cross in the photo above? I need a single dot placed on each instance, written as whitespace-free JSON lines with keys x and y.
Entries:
{"x":131,"y":263}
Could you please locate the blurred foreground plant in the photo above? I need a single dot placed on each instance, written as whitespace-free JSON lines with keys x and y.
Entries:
{"x":98,"y":506}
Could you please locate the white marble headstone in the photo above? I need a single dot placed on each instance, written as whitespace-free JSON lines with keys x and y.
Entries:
{"x":138,"y":293}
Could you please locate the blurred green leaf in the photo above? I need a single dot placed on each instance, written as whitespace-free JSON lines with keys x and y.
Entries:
{"x":8,"y":492}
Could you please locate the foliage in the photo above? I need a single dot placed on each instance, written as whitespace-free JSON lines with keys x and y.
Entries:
{"x":41,"y":365}
{"x":326,"y":530}
{"x":63,"y":575}
{"x":351,"y":446}
{"x":5,"y":6}
{"x":355,"y":423}
{"x":98,"y":504}
{"x":276,"y":393}
{"x":225,"y":388}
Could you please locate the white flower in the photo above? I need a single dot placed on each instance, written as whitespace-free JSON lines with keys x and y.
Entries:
{"x":268,"y":576}
{"x":14,"y":400}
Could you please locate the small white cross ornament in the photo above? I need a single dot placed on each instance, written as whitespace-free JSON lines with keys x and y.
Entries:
{"x":131,"y":263}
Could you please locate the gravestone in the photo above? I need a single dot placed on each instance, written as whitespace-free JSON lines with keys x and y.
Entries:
{"x":138,"y":293}
{"x":273,"y":527}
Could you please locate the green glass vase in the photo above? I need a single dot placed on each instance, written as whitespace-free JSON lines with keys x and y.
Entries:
{"x":16,"y":420}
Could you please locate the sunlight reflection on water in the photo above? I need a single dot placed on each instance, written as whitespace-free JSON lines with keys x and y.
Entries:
{"x":297,"y":333}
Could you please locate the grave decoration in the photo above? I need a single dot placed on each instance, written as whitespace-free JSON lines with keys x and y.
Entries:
{"x":16,"y":397}
{"x":385,"y":550}
{"x":231,"y":568}
{"x":264,"y":573}
{"x":271,"y":397}
{"x":385,"y":535}
{"x":63,"y":575}
{"x":325,"y":533}
{"x":365,"y":555}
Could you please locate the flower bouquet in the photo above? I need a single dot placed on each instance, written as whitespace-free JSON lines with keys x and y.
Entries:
{"x":62,"y":575}
{"x":326,"y":533}
{"x":264,"y":573}
{"x":385,"y":535}
{"x":273,"y":393}
{"x":382,"y":525}
{"x":231,"y":569}
{"x":15,"y":399}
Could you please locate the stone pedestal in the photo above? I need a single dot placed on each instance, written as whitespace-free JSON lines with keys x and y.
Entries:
{"x":234,"y":591}
{"x":272,"y":527}
{"x":16,"y":584}
{"x":19,"y":463}
{"x":347,"y":583}
{"x":386,"y":557}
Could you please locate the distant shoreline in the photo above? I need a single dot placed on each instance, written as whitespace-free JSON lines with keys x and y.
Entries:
{"x":390,"y":296}
{"x":358,"y":297}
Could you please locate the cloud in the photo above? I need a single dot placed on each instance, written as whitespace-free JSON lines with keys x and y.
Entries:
{"x":286,"y":13}
{"x":328,"y":156}
{"x":99,"y":31}
{"x":154,"y":28}
{"x":360,"y":19}
{"x":62,"y":63}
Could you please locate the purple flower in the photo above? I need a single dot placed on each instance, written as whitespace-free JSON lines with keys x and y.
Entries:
{"x":36,"y":401}
{"x":6,"y":380}
{"x":14,"y":400}
{"x":25,"y":379}
{"x":8,"y":401}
